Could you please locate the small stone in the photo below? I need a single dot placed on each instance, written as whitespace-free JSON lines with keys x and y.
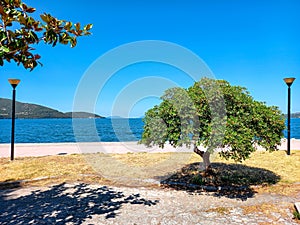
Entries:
{"x":297,"y":206}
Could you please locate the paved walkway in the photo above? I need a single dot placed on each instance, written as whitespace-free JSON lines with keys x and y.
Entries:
{"x":24,"y":150}
{"x":95,"y":204}
{"x":42,"y":149}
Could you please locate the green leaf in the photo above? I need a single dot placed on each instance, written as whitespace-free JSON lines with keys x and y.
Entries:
{"x":4,"y":49}
{"x":45,"y":18}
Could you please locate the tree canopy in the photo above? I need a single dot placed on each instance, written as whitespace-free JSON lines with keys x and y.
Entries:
{"x":20,"y":31}
{"x":217,"y":115}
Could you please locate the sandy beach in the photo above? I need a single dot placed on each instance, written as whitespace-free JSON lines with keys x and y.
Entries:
{"x":44,"y":149}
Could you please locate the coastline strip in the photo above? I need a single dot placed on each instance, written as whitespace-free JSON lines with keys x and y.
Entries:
{"x":44,"y":149}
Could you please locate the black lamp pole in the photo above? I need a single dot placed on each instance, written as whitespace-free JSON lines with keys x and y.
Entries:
{"x":14,"y":83}
{"x":289,"y":82}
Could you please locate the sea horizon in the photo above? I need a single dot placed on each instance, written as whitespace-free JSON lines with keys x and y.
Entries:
{"x":68,"y":130}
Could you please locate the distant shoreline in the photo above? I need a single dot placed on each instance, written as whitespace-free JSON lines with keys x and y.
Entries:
{"x":109,"y":118}
{"x":91,"y":117}
{"x":51,"y":118}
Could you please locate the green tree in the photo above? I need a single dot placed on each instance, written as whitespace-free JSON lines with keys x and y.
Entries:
{"x":216,"y":115}
{"x":19,"y":31}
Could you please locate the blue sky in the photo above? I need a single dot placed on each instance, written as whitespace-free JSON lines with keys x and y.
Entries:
{"x":248,"y":43}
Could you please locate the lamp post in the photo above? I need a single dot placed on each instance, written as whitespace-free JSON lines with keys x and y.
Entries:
{"x":289,"y":81}
{"x":14,"y":83}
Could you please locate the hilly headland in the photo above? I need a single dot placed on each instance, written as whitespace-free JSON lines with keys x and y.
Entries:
{"x":34,"y":111}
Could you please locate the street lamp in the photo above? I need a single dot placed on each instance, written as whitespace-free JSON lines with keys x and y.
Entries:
{"x":14,"y":83}
{"x":289,"y":81}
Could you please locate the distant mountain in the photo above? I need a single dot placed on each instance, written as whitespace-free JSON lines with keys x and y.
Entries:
{"x":295,"y":115}
{"x":114,"y":117}
{"x":34,"y":111}
{"x":82,"y":115}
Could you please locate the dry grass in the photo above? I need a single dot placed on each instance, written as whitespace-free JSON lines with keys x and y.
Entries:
{"x":138,"y":168}
{"x":281,"y":188}
{"x":33,"y":167}
{"x":271,"y":210}
{"x":138,"y":165}
{"x":47,"y":170}
{"x":220,"y":210}
{"x":287,"y":167}
{"x":144,"y":159}
{"x":96,"y":166}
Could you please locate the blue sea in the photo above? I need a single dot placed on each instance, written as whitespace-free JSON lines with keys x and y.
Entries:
{"x":84,"y":130}
{"x":68,"y":130}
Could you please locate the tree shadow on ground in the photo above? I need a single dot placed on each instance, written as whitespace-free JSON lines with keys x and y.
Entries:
{"x":65,"y":203}
{"x":229,"y":180}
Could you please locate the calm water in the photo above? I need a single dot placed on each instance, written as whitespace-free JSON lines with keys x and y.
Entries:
{"x":85,"y":130}
{"x":61,"y":130}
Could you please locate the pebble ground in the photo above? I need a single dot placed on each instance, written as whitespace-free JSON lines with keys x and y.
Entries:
{"x":79,"y":203}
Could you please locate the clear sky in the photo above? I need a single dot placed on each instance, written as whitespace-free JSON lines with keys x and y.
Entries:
{"x":254,"y":44}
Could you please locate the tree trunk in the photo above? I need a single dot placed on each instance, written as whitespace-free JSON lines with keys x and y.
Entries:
{"x":206,"y":161}
{"x":205,"y":156}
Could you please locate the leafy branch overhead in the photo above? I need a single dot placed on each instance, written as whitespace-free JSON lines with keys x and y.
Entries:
{"x":19,"y":31}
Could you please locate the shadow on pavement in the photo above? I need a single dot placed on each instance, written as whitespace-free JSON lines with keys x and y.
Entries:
{"x":64,"y":203}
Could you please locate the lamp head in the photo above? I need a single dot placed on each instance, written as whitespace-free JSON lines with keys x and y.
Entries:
{"x":14,"y":82}
{"x":289,"y":81}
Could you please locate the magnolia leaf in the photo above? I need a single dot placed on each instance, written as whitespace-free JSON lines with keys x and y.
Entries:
{"x":2,"y":12}
{"x":88,"y":27}
{"x":45,"y":18}
{"x":73,"y":42}
{"x":36,"y":56}
{"x":18,"y":32}
{"x":68,"y":26}
{"x":24,"y":7}
{"x":30,"y":10}
{"x":77,"y":26}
